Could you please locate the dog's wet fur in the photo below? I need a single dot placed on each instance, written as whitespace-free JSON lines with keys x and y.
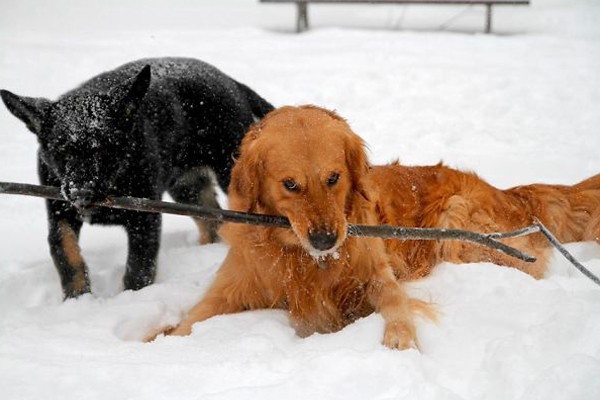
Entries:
{"x":150,"y":126}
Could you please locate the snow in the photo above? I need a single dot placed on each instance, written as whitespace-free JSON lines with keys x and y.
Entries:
{"x":517,"y":107}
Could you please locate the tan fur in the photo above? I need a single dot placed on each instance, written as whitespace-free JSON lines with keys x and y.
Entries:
{"x":72,"y":251}
{"x":272,"y":267}
{"x":204,"y":229}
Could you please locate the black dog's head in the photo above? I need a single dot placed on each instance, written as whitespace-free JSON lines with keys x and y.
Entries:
{"x":84,"y":135}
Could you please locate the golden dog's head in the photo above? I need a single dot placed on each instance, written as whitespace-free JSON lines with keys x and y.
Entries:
{"x":306,"y":164}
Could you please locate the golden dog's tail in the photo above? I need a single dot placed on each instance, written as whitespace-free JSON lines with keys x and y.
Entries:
{"x":592,"y":183}
{"x":584,"y":199}
{"x":571,"y":213}
{"x":587,"y":197}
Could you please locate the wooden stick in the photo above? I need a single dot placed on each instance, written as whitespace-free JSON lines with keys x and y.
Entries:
{"x":405,"y":233}
{"x":558,"y":246}
{"x":539,"y":227}
{"x":382,"y":231}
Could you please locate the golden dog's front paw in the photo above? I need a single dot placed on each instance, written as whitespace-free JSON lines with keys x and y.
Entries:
{"x":400,"y":335}
{"x":179,"y":330}
{"x":156,"y":333}
{"x":182,"y":329}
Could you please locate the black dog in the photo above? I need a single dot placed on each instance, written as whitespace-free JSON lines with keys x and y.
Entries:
{"x":150,"y":126}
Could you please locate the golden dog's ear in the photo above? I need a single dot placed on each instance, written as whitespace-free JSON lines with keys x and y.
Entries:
{"x":245,"y":176}
{"x":358,"y":163}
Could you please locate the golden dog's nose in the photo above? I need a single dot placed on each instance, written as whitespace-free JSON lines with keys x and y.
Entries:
{"x":322,"y":239}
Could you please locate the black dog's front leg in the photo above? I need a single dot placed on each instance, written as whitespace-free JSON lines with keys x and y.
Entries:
{"x":143,"y":232}
{"x":63,"y":238}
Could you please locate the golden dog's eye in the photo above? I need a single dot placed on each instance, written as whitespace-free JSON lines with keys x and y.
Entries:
{"x":333,"y":178}
{"x":290,"y":185}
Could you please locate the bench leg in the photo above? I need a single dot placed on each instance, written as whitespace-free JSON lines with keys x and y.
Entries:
{"x":302,"y":21}
{"x":488,"y":18}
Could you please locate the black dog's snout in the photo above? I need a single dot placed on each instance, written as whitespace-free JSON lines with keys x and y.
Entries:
{"x":322,"y":239}
{"x":81,"y":198}
{"x":81,"y":195}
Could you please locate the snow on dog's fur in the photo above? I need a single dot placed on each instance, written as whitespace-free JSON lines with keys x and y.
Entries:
{"x":149,"y":126}
{"x":306,"y":164}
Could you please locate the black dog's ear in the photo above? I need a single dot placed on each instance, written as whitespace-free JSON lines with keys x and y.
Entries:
{"x":30,"y":110}
{"x":135,"y":90}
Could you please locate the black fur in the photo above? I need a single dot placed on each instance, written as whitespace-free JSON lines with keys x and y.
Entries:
{"x":147,"y":127}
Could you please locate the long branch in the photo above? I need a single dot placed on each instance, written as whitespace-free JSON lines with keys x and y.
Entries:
{"x":558,"y":246}
{"x":382,"y":231}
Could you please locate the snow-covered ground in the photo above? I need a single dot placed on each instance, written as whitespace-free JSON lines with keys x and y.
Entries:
{"x":416,"y":83}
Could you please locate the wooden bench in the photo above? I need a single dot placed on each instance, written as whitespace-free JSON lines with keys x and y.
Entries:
{"x":302,"y":5}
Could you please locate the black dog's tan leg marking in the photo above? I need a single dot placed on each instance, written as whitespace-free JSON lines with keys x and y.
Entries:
{"x":207,"y":230}
{"x":70,"y":246}
{"x":197,"y":186}
{"x":66,"y":254}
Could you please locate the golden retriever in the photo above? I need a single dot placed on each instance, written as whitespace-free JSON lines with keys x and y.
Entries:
{"x":306,"y":164}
